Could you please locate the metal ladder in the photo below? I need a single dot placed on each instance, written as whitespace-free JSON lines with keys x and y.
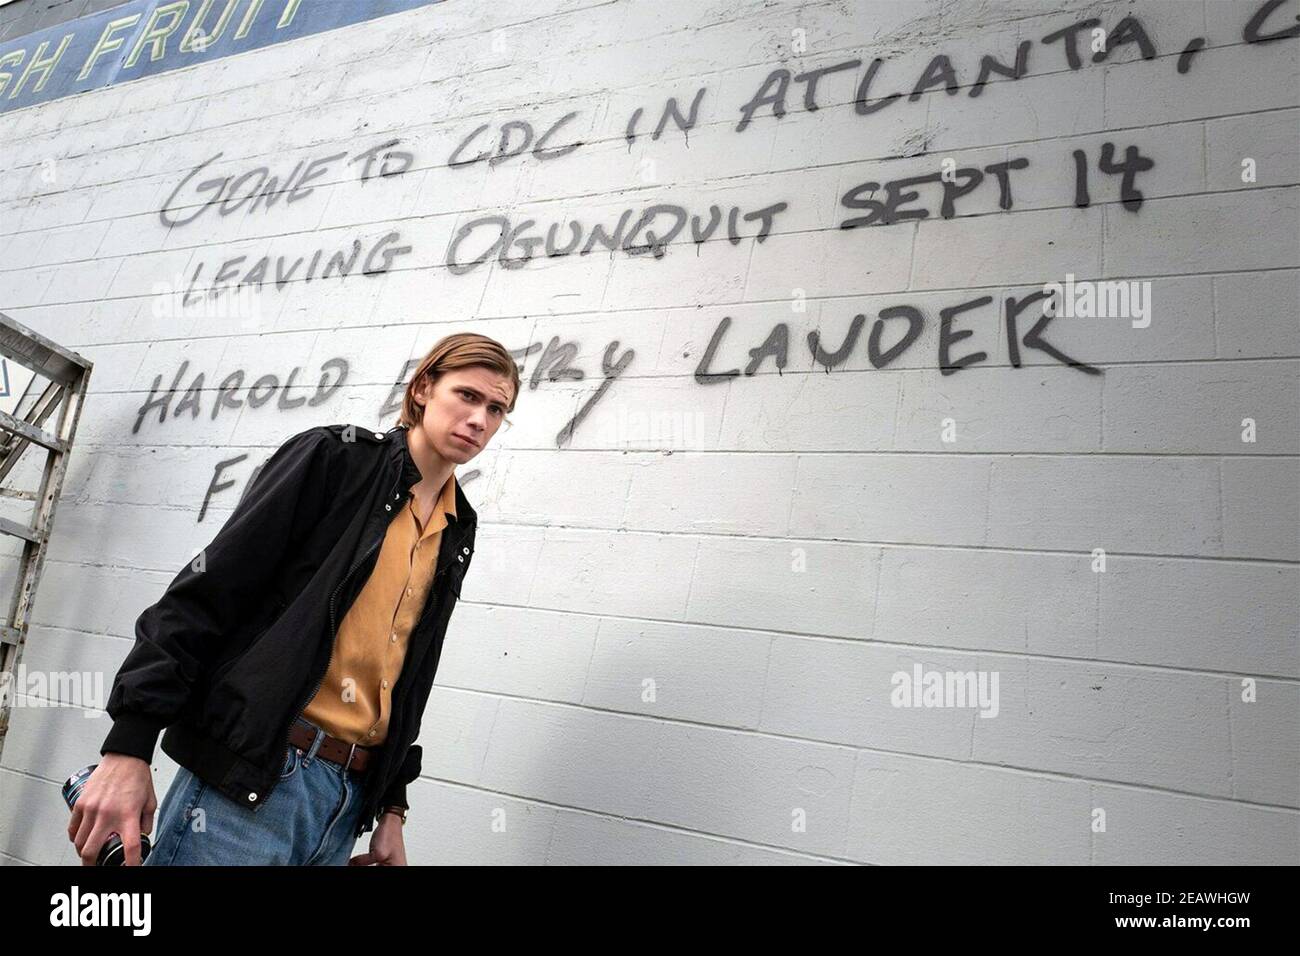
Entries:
{"x":66,"y":374}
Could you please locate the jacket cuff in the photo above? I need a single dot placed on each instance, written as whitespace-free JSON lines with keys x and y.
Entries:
{"x":133,"y":734}
{"x":394,"y":796}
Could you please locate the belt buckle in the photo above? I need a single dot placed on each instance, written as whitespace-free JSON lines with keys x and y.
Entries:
{"x":347,"y":764}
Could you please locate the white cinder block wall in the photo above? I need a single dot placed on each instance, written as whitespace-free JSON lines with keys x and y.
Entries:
{"x":679,"y":638}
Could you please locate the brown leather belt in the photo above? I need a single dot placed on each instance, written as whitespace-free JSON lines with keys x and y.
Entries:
{"x":352,"y":757}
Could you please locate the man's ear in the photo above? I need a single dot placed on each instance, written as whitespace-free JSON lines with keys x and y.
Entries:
{"x":422,"y":389}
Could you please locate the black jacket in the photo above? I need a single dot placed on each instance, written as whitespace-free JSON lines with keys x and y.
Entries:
{"x":241,"y":639}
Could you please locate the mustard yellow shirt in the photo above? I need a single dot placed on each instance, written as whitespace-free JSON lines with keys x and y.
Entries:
{"x":354,"y":701}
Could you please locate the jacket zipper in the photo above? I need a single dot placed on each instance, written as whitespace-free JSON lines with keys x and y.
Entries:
{"x":333,"y":633}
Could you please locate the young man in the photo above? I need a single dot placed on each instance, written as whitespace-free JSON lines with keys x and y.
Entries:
{"x":291,"y":660}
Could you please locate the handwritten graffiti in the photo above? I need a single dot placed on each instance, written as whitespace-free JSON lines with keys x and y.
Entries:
{"x":896,"y":194}
{"x":670,"y":112}
{"x":961,"y":181}
{"x":513,"y":244}
{"x":258,"y":188}
{"x":333,"y":375}
{"x":503,"y":236}
{"x":510,"y":241}
{"x":776,"y":345}
{"x":941,"y":74}
{"x":1133,"y":164}
{"x":1253,"y":32}
{"x":507,"y":148}
{"x":553,"y":365}
{"x":280,"y":271}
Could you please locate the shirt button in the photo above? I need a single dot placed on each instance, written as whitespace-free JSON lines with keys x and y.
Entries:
{"x":393,"y":638}
{"x":464,"y":550}
{"x":379,"y":434}
{"x":409,"y":591}
{"x":252,"y":796}
{"x":372,"y":733}
{"x":388,"y":507}
{"x":385,"y":683}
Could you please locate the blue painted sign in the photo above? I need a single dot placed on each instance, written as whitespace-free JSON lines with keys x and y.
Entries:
{"x":147,"y":37}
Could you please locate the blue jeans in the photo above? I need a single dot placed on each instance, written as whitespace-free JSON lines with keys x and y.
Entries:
{"x":308,"y":820}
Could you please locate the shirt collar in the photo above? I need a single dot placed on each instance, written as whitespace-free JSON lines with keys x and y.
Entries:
{"x":452,"y":500}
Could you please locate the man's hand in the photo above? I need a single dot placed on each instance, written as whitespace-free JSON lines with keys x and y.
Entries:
{"x":118,"y":797}
{"x":386,"y":846}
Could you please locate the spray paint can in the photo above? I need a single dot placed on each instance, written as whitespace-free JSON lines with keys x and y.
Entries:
{"x":112,"y":853}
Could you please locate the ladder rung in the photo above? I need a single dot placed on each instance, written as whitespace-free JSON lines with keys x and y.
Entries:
{"x":19,"y":530}
{"x":38,"y":435}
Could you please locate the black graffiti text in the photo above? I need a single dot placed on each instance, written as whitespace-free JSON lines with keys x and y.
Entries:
{"x":894,"y":331}
{"x":258,"y":188}
{"x":279,"y":271}
{"x":226,"y":395}
{"x":514,"y":244}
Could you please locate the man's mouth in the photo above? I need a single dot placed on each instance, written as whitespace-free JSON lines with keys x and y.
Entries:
{"x":467,"y":440}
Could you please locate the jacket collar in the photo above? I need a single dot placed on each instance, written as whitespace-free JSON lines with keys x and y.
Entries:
{"x":409,"y":474}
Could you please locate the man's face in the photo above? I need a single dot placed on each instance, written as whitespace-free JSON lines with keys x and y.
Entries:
{"x":463,"y":410}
